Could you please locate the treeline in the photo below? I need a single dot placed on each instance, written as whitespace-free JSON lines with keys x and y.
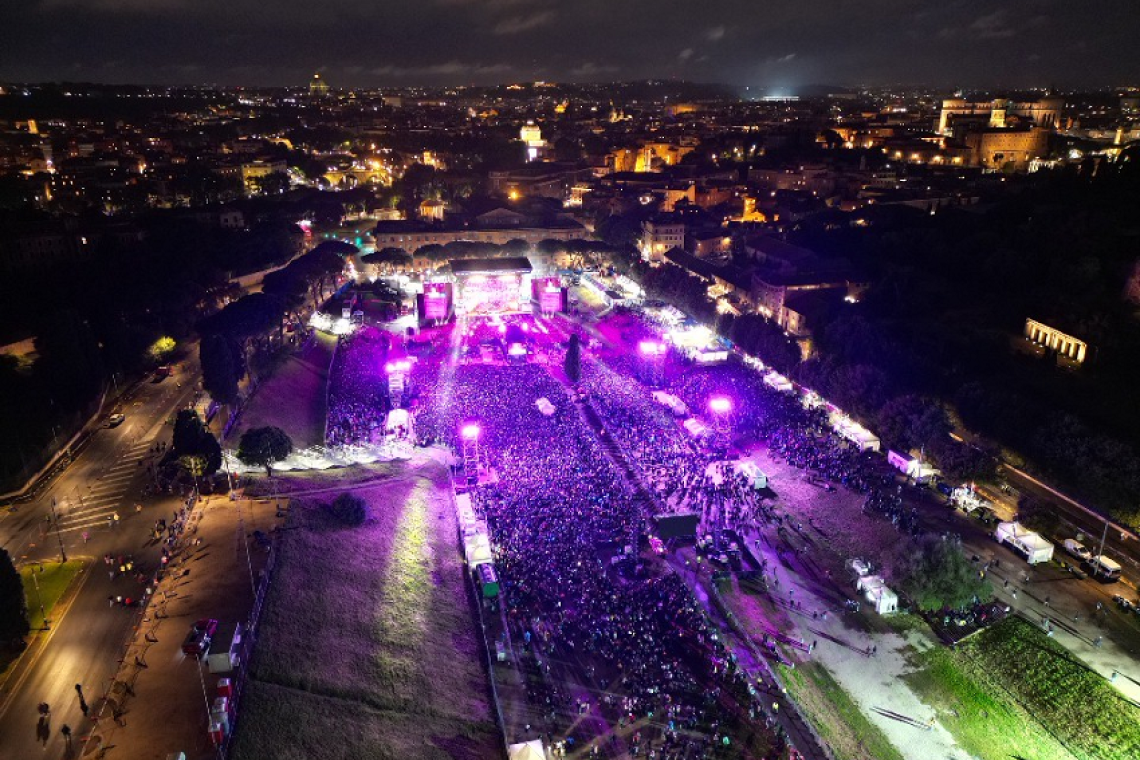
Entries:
{"x":583,"y":251}
{"x":235,"y":337}
{"x":96,"y":321}
{"x":952,"y":294}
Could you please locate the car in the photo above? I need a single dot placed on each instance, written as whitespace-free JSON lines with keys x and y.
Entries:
{"x":1123,"y":603}
{"x":197,"y":642}
{"x":115,"y":420}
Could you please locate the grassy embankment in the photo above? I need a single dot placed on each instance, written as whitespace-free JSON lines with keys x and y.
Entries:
{"x":367,"y":647}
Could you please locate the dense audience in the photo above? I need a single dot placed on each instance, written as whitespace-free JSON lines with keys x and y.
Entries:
{"x":557,"y":509}
{"x":358,"y":388}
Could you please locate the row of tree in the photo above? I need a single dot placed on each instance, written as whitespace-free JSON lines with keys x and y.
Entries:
{"x":232,"y":335}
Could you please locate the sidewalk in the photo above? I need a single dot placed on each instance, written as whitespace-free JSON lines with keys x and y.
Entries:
{"x":161,"y":698}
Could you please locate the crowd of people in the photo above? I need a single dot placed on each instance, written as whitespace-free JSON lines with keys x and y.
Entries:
{"x":358,"y":388}
{"x":560,"y":516}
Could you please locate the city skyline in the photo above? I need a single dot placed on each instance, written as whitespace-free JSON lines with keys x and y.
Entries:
{"x":464,"y":42}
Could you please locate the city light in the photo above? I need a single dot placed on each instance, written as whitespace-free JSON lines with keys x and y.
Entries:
{"x":469,"y":432}
{"x":720,"y":404}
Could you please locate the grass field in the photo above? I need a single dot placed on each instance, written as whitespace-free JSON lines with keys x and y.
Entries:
{"x":302,"y":380}
{"x":53,"y":582}
{"x":1013,"y":691}
{"x":368,"y":638}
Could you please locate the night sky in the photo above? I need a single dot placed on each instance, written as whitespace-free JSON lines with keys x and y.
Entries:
{"x":771,"y":44}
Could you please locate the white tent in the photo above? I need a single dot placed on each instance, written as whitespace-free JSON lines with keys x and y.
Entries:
{"x":750,"y":470}
{"x":399,"y":422}
{"x":676,"y":405}
{"x":696,"y":428}
{"x":477,"y":549}
{"x":532,"y":750}
{"x":875,"y":591}
{"x":778,"y":382}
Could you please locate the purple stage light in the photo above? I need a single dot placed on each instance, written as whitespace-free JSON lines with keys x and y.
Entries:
{"x":470,"y":432}
{"x":720,"y":404}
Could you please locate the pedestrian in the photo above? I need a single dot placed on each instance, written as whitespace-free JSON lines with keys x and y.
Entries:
{"x":85,"y":535}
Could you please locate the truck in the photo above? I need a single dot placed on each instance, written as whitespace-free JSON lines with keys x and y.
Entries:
{"x":1025,"y":542}
{"x":1104,"y":569}
{"x":227,"y":656}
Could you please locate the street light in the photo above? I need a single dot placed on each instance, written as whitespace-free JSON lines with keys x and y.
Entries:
{"x":58,"y":537}
{"x":39,"y":597}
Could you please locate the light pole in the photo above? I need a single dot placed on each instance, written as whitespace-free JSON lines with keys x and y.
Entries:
{"x":39,"y":597}
{"x":58,"y":537}
{"x":1103,"y":538}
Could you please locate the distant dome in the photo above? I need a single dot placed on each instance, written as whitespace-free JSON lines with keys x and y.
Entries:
{"x":318,"y":87}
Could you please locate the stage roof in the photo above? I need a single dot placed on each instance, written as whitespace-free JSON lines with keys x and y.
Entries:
{"x":510,"y":264}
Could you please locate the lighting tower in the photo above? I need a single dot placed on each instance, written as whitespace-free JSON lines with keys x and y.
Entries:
{"x":652,"y":364}
{"x":469,"y":437}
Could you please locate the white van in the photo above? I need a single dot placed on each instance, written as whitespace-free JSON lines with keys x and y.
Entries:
{"x":1077,"y":549}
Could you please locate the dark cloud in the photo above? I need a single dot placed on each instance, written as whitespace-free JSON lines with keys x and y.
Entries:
{"x":397,"y":42}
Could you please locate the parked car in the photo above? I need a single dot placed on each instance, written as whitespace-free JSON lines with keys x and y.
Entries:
{"x":115,"y":420}
{"x":1125,"y":604}
{"x":1077,"y":549}
{"x":201,"y":634}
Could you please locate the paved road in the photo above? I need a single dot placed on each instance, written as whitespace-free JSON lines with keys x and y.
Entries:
{"x":85,"y":645}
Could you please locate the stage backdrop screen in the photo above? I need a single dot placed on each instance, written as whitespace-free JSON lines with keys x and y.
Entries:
{"x":547,"y":293}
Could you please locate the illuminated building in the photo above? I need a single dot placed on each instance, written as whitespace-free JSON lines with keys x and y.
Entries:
{"x":1055,"y":340}
{"x":318,"y":88}
{"x":999,"y":113}
{"x":531,"y":134}
{"x":1007,"y":149}
{"x":659,"y":235}
{"x":257,"y":169}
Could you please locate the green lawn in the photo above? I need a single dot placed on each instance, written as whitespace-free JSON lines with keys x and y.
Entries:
{"x":53,"y":579}
{"x":835,"y":716}
{"x":1076,"y":704}
{"x":1011,"y":690}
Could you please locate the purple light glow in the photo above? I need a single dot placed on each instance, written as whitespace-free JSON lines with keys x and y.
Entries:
{"x":650,"y":348}
{"x":720,"y":404}
{"x":469,"y":432}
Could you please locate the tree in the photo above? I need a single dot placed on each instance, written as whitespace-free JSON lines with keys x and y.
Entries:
{"x":349,"y":509}
{"x":160,"y":350}
{"x":274,"y":183}
{"x":188,"y":430}
{"x":219,"y":375}
{"x":572,"y":364}
{"x":194,"y":464}
{"x":264,"y":446}
{"x":69,"y":363}
{"x":934,"y":572}
{"x":13,"y":603}
{"x":193,"y":439}
{"x":912,"y":421}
